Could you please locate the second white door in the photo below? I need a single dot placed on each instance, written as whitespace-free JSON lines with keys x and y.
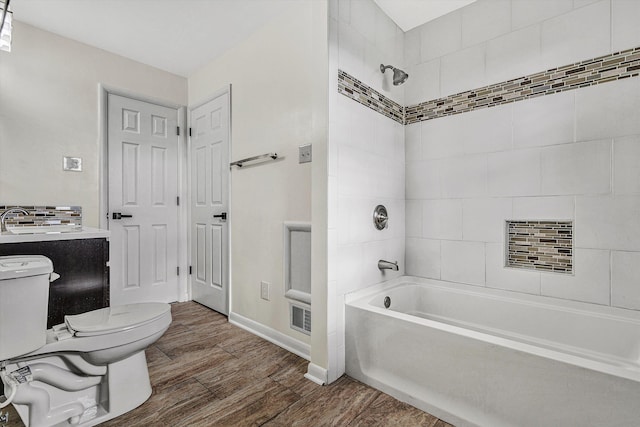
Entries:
{"x":210,"y":203}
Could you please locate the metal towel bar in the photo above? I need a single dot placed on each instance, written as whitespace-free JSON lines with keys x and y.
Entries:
{"x":266,"y":157}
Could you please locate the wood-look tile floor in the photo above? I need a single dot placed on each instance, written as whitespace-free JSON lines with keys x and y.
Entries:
{"x":208,"y":372}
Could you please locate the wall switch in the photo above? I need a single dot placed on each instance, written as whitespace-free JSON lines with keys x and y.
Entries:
{"x":73,"y":164}
{"x":304,"y":153}
{"x":264,"y":290}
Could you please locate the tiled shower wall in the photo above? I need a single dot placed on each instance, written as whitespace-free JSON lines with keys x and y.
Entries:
{"x":572,"y":156}
{"x":366,"y":162}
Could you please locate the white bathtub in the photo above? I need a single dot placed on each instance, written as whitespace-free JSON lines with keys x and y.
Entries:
{"x":482,"y":357}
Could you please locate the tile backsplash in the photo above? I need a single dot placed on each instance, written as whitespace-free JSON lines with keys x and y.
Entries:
{"x":540,"y":245}
{"x":44,"y":216}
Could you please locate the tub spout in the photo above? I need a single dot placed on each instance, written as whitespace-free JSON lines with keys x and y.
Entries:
{"x":387,"y":265}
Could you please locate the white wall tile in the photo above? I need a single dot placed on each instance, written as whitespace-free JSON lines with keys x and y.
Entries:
{"x":487,"y":130}
{"x":423,"y":179}
{"x":547,"y":120}
{"x":581,"y":168}
{"x":625,"y":279}
{"x":463,"y":262}
{"x":442,"y":219}
{"x":483,"y":220}
{"x":578,"y":35}
{"x":514,"y":173}
{"x":513,"y":55}
{"x":464,"y":176}
{"x":351,"y":50}
{"x":607,"y":110}
{"x":412,"y":43}
{"x":590,"y":283}
{"x":413,"y":142}
{"x":511,"y":279}
{"x":626,"y":165}
{"x":542,"y":208}
{"x":423,"y":83}
{"x":625,"y":31}
{"x":607,"y":222}
{"x":413,"y":222}
{"x":363,"y":18}
{"x":527,"y":12}
{"x":350,"y":261}
{"x":484,"y":20}
{"x":441,"y":36}
{"x":423,"y":258}
{"x":463,"y":70}
{"x":443,"y":137}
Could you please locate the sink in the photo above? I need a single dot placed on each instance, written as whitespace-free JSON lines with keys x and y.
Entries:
{"x":50,"y":229}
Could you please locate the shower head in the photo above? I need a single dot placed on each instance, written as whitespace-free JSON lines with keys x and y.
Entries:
{"x":399,"y":76}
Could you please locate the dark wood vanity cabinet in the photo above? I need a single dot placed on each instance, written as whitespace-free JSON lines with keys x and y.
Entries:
{"x":84,"y":275}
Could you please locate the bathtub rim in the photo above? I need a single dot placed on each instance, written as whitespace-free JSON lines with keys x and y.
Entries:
{"x":361,"y":299}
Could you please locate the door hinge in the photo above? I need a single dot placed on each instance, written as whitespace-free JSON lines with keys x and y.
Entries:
{"x":178,"y":200}
{"x":178,"y":271}
{"x":190,"y":269}
{"x":178,"y":130}
{"x":189,"y":131}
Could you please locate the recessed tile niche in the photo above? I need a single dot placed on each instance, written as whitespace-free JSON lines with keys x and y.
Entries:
{"x":540,"y":245}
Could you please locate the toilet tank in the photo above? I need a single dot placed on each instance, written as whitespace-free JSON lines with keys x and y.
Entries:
{"x":24,"y":299}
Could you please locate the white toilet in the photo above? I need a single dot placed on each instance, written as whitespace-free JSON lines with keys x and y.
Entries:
{"x":88,"y":370}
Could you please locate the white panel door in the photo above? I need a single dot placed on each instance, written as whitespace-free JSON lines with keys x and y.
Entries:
{"x":143,"y":211}
{"x":209,"y":203}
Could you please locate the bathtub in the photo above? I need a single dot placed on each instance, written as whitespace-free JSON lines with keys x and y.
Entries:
{"x":475,"y":356}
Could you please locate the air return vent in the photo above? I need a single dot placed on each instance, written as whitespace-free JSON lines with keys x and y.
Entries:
{"x":301,"y":318}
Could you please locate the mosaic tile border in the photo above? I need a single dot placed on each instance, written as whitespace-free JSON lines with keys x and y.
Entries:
{"x":615,"y":66}
{"x":44,"y":216}
{"x":353,"y":88}
{"x":540,"y":245}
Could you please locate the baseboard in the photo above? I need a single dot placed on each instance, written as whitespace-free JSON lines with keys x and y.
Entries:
{"x":316,"y":374}
{"x":278,"y":338}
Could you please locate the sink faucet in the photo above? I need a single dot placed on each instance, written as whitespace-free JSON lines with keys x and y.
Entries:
{"x":4,"y":215}
{"x":387,"y":265}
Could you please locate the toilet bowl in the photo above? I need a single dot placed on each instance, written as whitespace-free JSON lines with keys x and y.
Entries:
{"x":88,"y":370}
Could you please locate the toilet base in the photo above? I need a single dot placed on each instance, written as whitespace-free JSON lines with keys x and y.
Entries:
{"x":124,"y":387}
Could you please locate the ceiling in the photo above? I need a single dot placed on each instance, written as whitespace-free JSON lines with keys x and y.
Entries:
{"x":180,"y":36}
{"x":408,"y":14}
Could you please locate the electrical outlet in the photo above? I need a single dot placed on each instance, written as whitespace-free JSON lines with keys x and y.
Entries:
{"x":304,"y":153}
{"x":264,"y":290}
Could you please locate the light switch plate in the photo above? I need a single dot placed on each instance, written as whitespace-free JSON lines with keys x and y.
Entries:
{"x":264,"y":290}
{"x":304,"y":153}
{"x":73,"y":164}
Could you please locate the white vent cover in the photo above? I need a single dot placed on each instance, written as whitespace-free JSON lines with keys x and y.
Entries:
{"x":301,"y":318}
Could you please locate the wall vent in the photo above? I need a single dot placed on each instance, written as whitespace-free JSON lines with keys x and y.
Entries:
{"x":301,"y":318}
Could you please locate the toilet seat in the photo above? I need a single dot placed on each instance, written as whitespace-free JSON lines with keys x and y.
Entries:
{"x":114,"y":319}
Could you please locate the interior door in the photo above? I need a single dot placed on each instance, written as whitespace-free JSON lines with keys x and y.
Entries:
{"x":209,"y":203}
{"x":143,"y":191}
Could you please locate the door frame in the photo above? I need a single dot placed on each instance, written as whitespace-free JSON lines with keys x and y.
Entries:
{"x":184,"y":293}
{"x":224,"y":90}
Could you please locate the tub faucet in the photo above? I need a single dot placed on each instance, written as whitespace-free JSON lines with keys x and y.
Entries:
{"x":387,"y":265}
{"x":3,"y":217}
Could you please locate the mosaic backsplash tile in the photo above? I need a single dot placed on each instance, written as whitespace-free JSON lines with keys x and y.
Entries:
{"x":353,"y":88}
{"x":44,"y":216}
{"x":616,"y":66}
{"x":540,"y":245}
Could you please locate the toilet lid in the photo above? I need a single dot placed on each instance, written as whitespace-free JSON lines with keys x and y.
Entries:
{"x":114,"y":319}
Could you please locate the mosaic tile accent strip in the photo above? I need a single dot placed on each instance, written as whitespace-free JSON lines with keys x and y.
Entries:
{"x":540,"y":245}
{"x":353,"y":88}
{"x":615,"y":66}
{"x":44,"y":216}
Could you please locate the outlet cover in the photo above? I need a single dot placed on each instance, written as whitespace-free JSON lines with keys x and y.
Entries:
{"x":73,"y":164}
{"x":264,"y":290}
{"x":304,"y":153}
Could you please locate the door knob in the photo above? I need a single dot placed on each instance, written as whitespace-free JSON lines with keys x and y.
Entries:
{"x":222,"y":216}
{"x":118,"y":215}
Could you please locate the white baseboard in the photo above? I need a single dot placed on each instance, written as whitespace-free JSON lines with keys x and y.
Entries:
{"x":278,"y":338}
{"x":316,"y":374}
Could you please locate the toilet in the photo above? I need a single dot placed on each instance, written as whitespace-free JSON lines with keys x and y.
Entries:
{"x":88,"y":370}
